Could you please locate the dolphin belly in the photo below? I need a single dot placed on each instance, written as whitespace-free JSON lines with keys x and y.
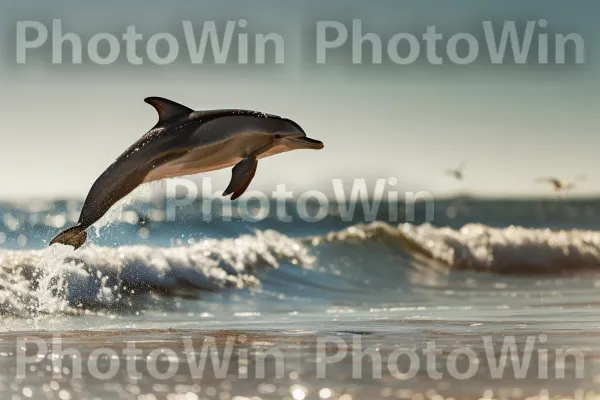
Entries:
{"x":208,"y":158}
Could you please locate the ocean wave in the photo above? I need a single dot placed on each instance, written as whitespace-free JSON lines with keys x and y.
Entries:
{"x":58,"y":279}
{"x":477,"y":247}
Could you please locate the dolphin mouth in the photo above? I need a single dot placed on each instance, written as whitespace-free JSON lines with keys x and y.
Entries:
{"x":307,"y":142}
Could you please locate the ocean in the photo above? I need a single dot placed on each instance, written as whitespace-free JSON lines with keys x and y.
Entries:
{"x":398,"y":302}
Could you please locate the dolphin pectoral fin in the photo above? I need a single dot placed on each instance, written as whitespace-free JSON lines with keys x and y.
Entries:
{"x":241,"y":176}
{"x":242,"y":188}
{"x":167,"y":109}
{"x":75,"y":236}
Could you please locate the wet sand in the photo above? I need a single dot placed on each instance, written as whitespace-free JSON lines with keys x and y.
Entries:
{"x":166,"y":364}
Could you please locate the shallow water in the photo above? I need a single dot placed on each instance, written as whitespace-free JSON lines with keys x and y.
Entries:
{"x":476,"y":275}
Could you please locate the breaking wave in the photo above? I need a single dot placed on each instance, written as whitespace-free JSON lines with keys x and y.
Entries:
{"x":58,"y":279}
{"x":477,"y":247}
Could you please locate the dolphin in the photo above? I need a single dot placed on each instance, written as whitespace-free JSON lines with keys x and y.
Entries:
{"x":186,"y":142}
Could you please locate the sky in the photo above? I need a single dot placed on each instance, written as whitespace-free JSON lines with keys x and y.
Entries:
{"x":63,"y":124}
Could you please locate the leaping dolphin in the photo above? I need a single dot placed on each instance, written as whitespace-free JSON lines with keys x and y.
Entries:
{"x":186,"y":142}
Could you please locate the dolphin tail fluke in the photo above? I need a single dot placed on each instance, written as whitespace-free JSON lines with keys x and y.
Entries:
{"x":75,"y":236}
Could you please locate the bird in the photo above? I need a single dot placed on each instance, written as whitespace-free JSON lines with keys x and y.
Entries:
{"x":457,"y":173}
{"x":560,"y":185}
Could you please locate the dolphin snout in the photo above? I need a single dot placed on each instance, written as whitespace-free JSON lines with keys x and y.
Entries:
{"x":308,"y":142}
{"x":300,"y":140}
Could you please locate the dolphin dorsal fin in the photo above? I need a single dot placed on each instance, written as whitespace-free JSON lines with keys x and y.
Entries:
{"x":167,"y":109}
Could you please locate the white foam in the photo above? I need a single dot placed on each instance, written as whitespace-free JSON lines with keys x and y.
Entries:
{"x":103,"y":277}
{"x":483,"y":248}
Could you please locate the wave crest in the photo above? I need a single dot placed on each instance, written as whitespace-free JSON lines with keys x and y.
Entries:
{"x":109,"y":277}
{"x":511,"y":250}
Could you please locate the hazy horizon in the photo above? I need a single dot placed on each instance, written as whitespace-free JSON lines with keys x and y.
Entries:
{"x":510,"y":124}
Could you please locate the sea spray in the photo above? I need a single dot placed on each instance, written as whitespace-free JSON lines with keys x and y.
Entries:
{"x":51,"y":280}
{"x":36,"y":284}
{"x":49,"y":294}
{"x":115,"y":213}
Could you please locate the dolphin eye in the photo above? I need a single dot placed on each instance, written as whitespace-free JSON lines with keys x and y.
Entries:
{"x":277,"y":136}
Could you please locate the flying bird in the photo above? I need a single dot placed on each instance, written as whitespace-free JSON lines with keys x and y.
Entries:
{"x":560,"y":185}
{"x":457,"y":173}
{"x":186,"y":142}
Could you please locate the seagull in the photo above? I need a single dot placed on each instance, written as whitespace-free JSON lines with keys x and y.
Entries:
{"x":457,"y":173}
{"x":560,"y":185}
